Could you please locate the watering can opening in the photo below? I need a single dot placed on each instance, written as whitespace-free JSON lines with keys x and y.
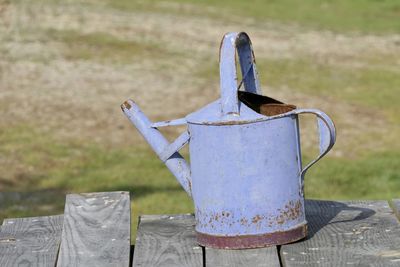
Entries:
{"x":263,"y":104}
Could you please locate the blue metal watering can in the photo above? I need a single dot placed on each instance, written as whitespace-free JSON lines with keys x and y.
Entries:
{"x":246,"y":176}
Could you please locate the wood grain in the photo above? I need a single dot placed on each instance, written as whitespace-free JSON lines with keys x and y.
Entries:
{"x":396,"y":207}
{"x":30,"y":241}
{"x":96,"y":230}
{"x":353,"y":233}
{"x":246,"y":257}
{"x":167,"y":240}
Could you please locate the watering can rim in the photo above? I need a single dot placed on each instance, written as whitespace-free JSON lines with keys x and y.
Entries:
{"x":247,"y":115}
{"x":197,"y":117}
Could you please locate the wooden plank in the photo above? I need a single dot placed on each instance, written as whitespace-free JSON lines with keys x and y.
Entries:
{"x":353,"y":233}
{"x":164,"y":240}
{"x":96,"y":230}
{"x":246,"y":257}
{"x":396,"y":207}
{"x":30,"y":241}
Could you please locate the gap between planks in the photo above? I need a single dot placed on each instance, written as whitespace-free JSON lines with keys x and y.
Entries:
{"x":395,"y":204}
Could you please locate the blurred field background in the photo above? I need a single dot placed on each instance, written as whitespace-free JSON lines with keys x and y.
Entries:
{"x":66,"y":66}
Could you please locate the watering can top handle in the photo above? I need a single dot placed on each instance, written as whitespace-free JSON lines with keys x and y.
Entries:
{"x":227,"y":70}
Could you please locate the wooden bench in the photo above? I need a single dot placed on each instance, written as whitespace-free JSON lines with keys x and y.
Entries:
{"x":95,"y":231}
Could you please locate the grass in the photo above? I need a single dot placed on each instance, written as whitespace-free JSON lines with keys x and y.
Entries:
{"x":366,"y":16}
{"x":50,"y":169}
{"x":374,"y":176}
{"x":359,"y":86}
{"x":103,"y":47}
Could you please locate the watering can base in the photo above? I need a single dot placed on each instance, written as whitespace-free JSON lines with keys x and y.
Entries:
{"x":252,"y":241}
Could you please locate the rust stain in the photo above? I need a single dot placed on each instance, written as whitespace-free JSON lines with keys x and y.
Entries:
{"x":225,"y":214}
{"x":126,"y":105}
{"x":252,"y":241}
{"x":275,"y":109}
{"x":243,"y":221}
{"x":189,"y":185}
{"x":214,"y":218}
{"x":256,"y":219}
{"x":228,"y":123}
{"x":291,"y":211}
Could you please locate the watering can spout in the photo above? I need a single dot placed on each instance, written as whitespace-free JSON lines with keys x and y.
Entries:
{"x":167,"y":152}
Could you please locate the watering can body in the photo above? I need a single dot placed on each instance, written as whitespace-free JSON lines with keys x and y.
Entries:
{"x":246,"y":176}
{"x":246,"y":189}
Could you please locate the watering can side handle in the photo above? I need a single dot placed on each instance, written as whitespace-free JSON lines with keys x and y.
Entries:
{"x":179,"y":142}
{"x":175,"y":146}
{"x":327,"y":134}
{"x":174,"y":161}
{"x":232,"y":42}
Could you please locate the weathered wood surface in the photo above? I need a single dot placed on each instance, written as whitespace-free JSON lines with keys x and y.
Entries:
{"x":353,"y":233}
{"x":267,"y":257}
{"x":30,"y":241}
{"x":396,"y":207}
{"x":167,"y":241}
{"x":96,"y":230}
{"x":97,"y":233}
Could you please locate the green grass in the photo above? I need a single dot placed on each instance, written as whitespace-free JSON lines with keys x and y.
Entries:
{"x":367,"y":16}
{"x":366,"y":86}
{"x":374,"y":176}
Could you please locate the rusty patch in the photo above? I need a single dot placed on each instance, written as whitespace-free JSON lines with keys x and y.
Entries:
{"x":228,"y":123}
{"x":252,"y":241}
{"x":275,"y":109}
{"x":256,"y":219}
{"x":243,"y":221}
{"x":126,"y":105}
{"x":291,"y":211}
{"x":218,"y":218}
{"x":190,"y":186}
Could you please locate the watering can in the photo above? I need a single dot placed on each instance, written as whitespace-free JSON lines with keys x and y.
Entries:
{"x":246,"y":176}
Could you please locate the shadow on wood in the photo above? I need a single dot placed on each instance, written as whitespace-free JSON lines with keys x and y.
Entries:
{"x":321,"y":212}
